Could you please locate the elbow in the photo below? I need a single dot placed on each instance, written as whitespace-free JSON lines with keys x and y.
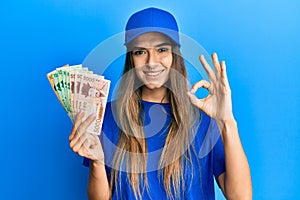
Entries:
{"x":92,"y":195}
{"x":245,"y":194}
{"x":239,"y":197}
{"x":239,"y":189}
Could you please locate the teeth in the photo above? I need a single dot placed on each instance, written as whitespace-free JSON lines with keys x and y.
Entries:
{"x":152,"y":73}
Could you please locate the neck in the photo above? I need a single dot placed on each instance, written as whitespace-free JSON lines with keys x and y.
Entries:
{"x":155,"y":95}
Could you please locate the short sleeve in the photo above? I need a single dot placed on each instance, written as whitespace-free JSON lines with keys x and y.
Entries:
{"x":86,"y":162}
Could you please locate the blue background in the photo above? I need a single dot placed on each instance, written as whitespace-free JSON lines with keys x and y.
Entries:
{"x":258,"y":39}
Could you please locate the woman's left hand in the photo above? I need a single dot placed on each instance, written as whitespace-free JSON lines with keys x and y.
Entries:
{"x":217,"y":104}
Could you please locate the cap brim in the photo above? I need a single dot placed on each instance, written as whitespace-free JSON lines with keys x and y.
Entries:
{"x":134,"y":33}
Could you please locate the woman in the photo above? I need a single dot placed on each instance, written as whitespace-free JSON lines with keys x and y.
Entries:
{"x":159,"y":140}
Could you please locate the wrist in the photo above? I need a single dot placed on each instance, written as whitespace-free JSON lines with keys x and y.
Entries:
{"x":227,"y":126}
{"x":97,"y":163}
{"x":97,"y":169}
{"x":227,"y":121}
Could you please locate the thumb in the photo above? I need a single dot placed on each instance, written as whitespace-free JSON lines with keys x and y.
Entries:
{"x":194,"y":100}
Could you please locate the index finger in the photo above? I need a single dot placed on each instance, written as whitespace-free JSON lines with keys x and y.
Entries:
{"x":86,"y":123}
{"x":76,"y":124}
{"x":82,"y":129}
{"x":199,"y":84}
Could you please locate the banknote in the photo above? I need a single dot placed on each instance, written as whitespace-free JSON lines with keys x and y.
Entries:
{"x":101,"y":94}
{"x":79,"y":89}
{"x":90,"y":99}
{"x":58,"y":87}
{"x":50,"y":77}
{"x":76,"y":104}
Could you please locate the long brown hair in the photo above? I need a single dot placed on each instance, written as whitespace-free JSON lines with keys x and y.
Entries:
{"x":132,"y":146}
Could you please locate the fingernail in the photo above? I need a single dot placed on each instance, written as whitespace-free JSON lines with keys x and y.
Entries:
{"x":81,"y":112}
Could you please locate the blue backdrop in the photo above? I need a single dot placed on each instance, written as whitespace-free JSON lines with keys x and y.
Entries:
{"x":258,"y":39}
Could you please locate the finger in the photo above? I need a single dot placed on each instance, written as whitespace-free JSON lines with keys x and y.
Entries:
{"x":95,"y":141}
{"x":223,"y":72}
{"x":95,"y":156}
{"x":76,"y":124}
{"x":224,"y":79}
{"x":86,"y":123}
{"x":82,"y":129}
{"x":85,"y":150}
{"x":194,"y":100}
{"x":84,"y":153}
{"x":208,"y":69}
{"x":92,"y":152}
{"x":216,"y":63}
{"x":86,"y":141}
{"x":78,"y":144}
{"x":201,"y":83}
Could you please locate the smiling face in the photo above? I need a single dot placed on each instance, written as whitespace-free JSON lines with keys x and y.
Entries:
{"x":152,"y":59}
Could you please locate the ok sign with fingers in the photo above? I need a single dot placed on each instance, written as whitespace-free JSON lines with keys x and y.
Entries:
{"x":217,"y":104}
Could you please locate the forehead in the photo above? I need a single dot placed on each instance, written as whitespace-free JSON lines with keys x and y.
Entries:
{"x":151,"y":39}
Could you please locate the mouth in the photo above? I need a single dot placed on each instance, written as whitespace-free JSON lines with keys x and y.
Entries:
{"x":153,"y":74}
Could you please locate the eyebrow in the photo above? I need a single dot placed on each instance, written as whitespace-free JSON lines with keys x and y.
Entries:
{"x":158,"y":45}
{"x":163,"y":44}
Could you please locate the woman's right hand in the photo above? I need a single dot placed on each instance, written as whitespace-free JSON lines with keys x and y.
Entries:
{"x":85,"y":144}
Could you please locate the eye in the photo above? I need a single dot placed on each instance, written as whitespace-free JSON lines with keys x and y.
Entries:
{"x":138,"y":52}
{"x":163,"y":49}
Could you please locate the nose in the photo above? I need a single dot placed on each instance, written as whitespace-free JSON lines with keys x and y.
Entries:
{"x":152,"y":58}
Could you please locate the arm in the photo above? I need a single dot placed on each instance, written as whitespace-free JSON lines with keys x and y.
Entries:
{"x":98,"y":187}
{"x":236,"y":181}
{"x":89,"y":146}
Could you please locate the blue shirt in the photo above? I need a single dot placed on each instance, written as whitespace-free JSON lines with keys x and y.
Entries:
{"x":198,"y":179}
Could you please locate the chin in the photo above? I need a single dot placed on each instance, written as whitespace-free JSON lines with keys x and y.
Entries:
{"x":153,"y":86}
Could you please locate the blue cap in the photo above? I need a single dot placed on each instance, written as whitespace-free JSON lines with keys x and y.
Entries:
{"x":151,"y":20}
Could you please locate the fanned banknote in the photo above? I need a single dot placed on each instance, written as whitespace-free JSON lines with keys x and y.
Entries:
{"x":79,"y":89}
